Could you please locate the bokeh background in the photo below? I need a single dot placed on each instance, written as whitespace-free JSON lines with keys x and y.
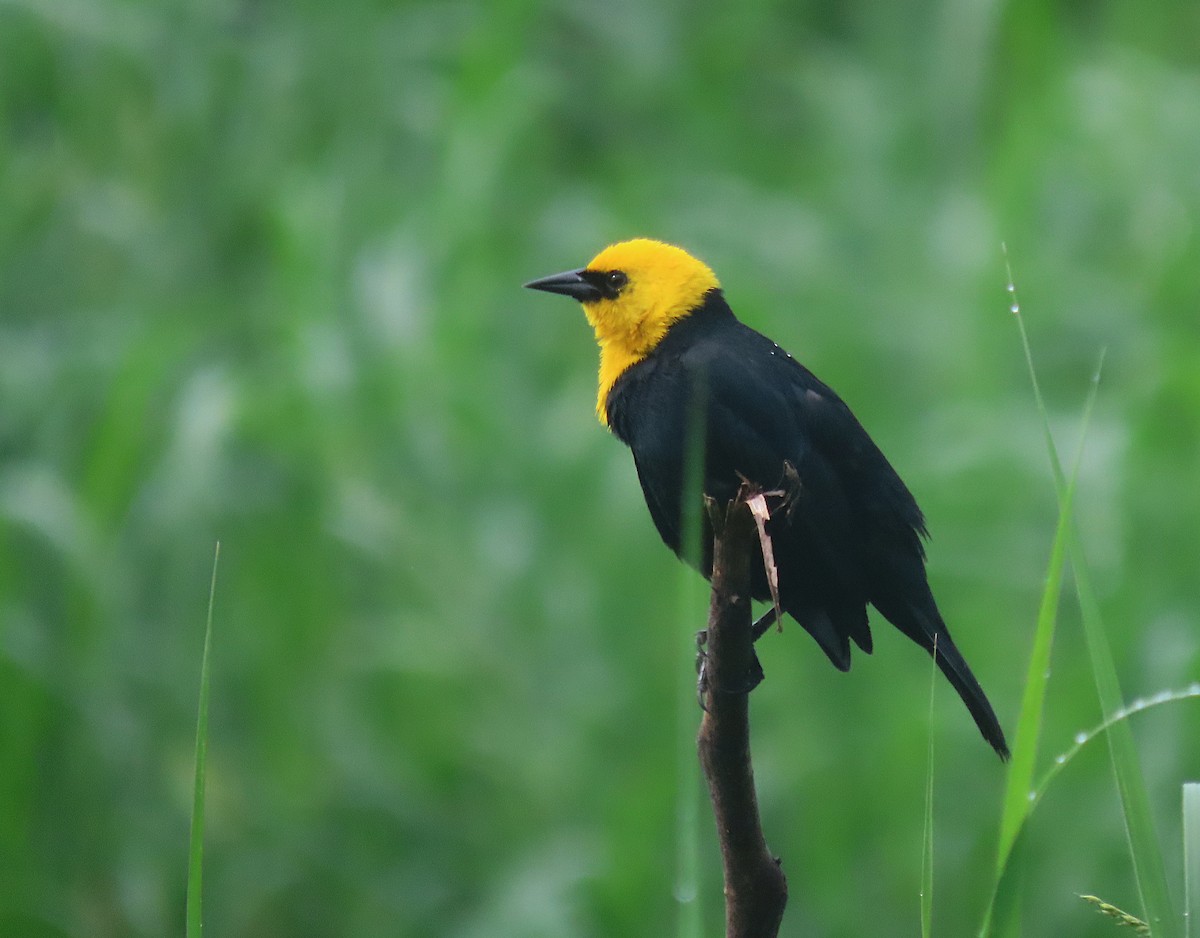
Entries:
{"x":260,"y":270}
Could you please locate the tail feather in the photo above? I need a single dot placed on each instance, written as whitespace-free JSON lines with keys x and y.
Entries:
{"x":833,"y":627}
{"x":927,"y":630}
{"x":819,"y":625}
{"x":962,"y":680}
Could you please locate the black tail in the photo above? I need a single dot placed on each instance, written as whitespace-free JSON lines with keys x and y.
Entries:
{"x":922,"y":630}
{"x":962,"y":680}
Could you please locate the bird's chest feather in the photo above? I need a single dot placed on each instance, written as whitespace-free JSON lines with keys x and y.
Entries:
{"x":665,"y":409}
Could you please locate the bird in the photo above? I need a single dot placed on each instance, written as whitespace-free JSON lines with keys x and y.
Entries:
{"x":680,"y":374}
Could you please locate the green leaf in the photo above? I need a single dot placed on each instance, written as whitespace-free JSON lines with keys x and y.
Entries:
{"x":927,"y":839}
{"x":1017,"y":794}
{"x":1143,"y":841}
{"x":1191,"y":857}
{"x":195,"y":925}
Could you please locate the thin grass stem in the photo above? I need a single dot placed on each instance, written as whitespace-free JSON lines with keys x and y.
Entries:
{"x":1191,"y":858}
{"x":1144,"y":848}
{"x":927,"y":837}
{"x":195,"y":921}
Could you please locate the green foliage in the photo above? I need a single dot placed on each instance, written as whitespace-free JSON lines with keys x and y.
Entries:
{"x":1139,"y":825}
{"x":259,"y":281}
{"x":927,"y":838}
{"x":1017,"y":803}
{"x":195,"y":880}
{"x":1143,"y":842}
{"x":1144,"y":848}
{"x":1191,"y":855}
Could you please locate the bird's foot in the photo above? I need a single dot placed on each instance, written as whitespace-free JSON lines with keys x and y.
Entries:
{"x":791,"y":489}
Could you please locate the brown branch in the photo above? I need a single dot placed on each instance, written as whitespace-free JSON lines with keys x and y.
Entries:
{"x":755,"y":887}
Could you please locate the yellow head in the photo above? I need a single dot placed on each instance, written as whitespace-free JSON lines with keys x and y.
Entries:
{"x":631,"y":294}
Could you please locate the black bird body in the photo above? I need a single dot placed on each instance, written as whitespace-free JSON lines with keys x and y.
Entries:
{"x":761,"y":409}
{"x":846,"y":532}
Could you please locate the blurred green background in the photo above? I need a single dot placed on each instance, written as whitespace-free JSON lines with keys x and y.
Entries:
{"x":260,"y":270}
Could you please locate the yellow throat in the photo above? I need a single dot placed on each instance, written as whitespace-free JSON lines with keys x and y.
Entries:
{"x":665,"y":283}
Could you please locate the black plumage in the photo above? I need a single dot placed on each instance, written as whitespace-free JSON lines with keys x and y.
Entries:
{"x":850,"y":533}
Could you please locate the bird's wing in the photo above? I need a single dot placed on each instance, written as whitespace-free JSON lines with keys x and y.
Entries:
{"x":755,"y":431}
{"x":757,"y":422}
{"x":881,"y":499}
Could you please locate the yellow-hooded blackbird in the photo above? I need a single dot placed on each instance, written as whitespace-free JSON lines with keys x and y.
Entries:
{"x":849,"y":535}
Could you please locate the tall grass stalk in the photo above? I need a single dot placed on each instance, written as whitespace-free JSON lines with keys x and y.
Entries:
{"x":1144,"y":849}
{"x":1001,"y":922}
{"x":195,"y":926}
{"x":693,"y":615}
{"x":1017,"y":802}
{"x":1145,"y":853}
{"x":1063,"y":759}
{"x":1191,"y":858}
{"x":927,"y":838}
{"x":688,"y":788}
{"x":1029,"y":723}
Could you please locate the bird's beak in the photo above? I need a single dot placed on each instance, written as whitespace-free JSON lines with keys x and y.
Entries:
{"x":568,"y":283}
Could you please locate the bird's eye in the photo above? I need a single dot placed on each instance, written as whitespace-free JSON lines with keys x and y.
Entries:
{"x":616,"y":279}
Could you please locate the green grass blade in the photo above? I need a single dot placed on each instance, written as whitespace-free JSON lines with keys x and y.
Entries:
{"x":1029,"y":724}
{"x":688,"y":789}
{"x":1135,"y":803}
{"x":195,"y":925}
{"x":1191,"y":692}
{"x":927,"y":839}
{"x":1002,"y":914}
{"x":1191,"y":858}
{"x":1144,"y":847}
{"x":1018,"y":804}
{"x":693,"y":612}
